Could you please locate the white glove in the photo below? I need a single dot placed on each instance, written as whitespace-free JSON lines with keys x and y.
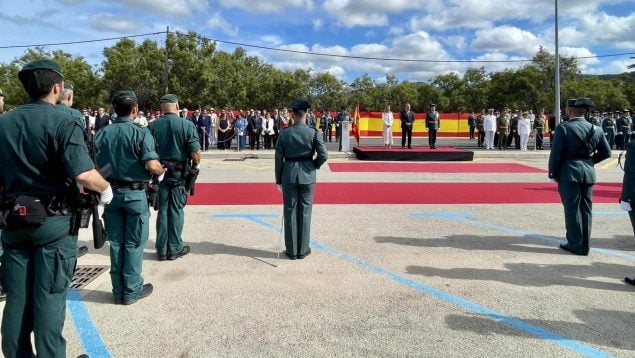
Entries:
{"x":625,"y":205}
{"x":160,"y":177}
{"x":552,"y":180}
{"x":105,"y":197}
{"x":279,"y":188}
{"x":198,"y":166}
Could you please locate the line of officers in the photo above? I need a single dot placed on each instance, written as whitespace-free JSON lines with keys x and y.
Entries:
{"x":45,"y":164}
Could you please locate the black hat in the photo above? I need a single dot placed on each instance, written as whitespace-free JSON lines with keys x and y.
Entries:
{"x":343,"y":108}
{"x":43,"y":65}
{"x":300,"y":105}
{"x":581,"y":102}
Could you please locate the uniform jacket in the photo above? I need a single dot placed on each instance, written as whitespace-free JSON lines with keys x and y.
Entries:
{"x":176,"y":139}
{"x":524,"y":126}
{"x":471,"y":121}
{"x":503,"y":124}
{"x":433,"y":120}
{"x":387,"y":118}
{"x":562,"y":167}
{"x":489,"y":123}
{"x":299,"y":141}
{"x":125,"y":147}
{"x":77,"y":115}
{"x":628,"y":182}
{"x":608,"y":125}
{"x":539,"y":123}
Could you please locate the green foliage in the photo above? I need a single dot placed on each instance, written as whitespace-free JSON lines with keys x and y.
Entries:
{"x":202,"y":77}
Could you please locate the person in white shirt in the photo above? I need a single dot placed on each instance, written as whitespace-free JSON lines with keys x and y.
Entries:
{"x":388,"y":119}
{"x":267,"y":129}
{"x":214,"y":120}
{"x":489,"y":125}
{"x":524,"y":128}
{"x":141,"y":120}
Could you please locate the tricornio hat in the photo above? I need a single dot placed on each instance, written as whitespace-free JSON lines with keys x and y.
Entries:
{"x":581,"y":102}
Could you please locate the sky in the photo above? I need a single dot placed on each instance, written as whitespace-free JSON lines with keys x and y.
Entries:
{"x":438,"y":30}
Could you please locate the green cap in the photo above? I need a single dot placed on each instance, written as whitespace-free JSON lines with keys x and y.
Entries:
{"x":43,"y":65}
{"x":169,"y":98}
{"x":122,"y":94}
{"x":581,"y":102}
{"x":301,"y":105}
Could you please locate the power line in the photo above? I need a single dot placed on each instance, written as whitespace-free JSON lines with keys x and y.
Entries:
{"x":82,"y":42}
{"x":309,"y":53}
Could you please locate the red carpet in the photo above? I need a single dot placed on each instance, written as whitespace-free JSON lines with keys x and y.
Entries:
{"x":398,"y":193}
{"x":432,"y":168}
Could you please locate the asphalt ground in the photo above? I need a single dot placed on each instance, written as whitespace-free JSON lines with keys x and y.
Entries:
{"x":383,"y":280}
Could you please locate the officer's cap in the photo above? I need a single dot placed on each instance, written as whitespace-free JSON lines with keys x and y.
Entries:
{"x":43,"y":65}
{"x":627,"y":111}
{"x":169,"y":98}
{"x":432,"y":105}
{"x":300,"y":105}
{"x":122,"y":94}
{"x":580,"y":102}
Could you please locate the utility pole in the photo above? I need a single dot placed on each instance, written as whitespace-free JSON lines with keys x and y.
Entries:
{"x":557,"y":89}
{"x":167,"y":61}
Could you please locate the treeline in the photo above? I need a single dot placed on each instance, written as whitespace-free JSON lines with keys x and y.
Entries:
{"x":203,"y":76}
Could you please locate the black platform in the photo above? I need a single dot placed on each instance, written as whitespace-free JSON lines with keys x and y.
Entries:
{"x":419,"y":154}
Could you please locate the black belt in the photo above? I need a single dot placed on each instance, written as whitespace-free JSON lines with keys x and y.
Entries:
{"x":301,"y":159}
{"x":133,"y":185}
{"x":173,"y":164}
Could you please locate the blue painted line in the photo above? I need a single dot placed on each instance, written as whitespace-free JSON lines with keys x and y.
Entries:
{"x":447,"y":297}
{"x":611,"y":213}
{"x":88,"y":334}
{"x":466,"y":219}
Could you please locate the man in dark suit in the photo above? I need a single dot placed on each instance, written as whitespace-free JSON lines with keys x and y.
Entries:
{"x":577,"y":146}
{"x":102,"y":119}
{"x":254,"y":127}
{"x":407,"y":122}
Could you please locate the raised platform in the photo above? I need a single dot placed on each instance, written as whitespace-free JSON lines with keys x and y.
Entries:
{"x":419,"y":154}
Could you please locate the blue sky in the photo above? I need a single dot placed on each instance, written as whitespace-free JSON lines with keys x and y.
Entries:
{"x":444,"y":30}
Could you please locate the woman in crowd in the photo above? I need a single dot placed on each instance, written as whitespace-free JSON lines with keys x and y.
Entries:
{"x":388,"y":119}
{"x":240,"y":129}
{"x":224,"y":127}
{"x":267,"y":130}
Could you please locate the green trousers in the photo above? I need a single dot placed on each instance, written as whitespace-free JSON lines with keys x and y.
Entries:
{"x":298,"y":203}
{"x":37,"y":268}
{"x":577,"y":201}
{"x":610,"y":137}
{"x":126,"y":220}
{"x":172,"y":200}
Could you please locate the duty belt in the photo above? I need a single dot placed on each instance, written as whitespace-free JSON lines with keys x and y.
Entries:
{"x":133,"y":185}
{"x":173,"y":164}
{"x":300,"y":159}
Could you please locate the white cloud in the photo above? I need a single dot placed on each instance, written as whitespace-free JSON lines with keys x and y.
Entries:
{"x":318,"y":24}
{"x":272,"y":39}
{"x":218,"y":22}
{"x":266,"y":5}
{"x":168,"y":7}
{"x":109,"y":22}
{"x":396,"y":31}
{"x":506,"y":38}
{"x":352,"y":13}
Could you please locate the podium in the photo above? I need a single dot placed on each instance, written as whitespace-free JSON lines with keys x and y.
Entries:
{"x":345,"y":140}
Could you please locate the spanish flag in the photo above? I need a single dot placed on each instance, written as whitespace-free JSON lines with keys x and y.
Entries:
{"x":355,"y":125}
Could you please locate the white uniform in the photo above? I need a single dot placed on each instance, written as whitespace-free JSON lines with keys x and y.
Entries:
{"x":489,"y":125}
{"x":388,"y":120}
{"x":524,"y":128}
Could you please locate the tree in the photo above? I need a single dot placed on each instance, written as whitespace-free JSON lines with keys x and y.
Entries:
{"x":326,"y":91}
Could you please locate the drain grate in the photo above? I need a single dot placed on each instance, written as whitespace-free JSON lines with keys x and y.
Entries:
{"x":85,"y":274}
{"x":242,"y":159}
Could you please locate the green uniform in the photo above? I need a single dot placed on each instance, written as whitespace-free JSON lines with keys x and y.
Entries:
{"x":576,"y":176}
{"x":126,"y":147}
{"x":295,"y":171}
{"x":628,"y":184}
{"x":176,"y":140}
{"x":608,"y":126}
{"x":77,"y":115}
{"x":45,"y":151}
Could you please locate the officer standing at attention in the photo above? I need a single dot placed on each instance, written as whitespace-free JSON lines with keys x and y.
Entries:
{"x":177,"y":140}
{"x":577,"y":146}
{"x":295,"y":177}
{"x":432,"y":123}
{"x":130,"y":151}
{"x":627,"y":198}
{"x":608,"y":125}
{"x":46,"y":152}
{"x":407,"y":123}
